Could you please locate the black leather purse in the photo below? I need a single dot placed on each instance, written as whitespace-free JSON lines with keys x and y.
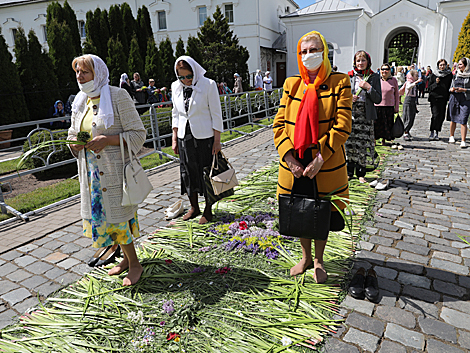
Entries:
{"x":302,"y":216}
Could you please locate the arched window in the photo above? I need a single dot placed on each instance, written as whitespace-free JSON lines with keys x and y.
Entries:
{"x":331,"y":53}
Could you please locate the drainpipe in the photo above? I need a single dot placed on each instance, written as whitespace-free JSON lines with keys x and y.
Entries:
{"x":443,"y":33}
{"x":259,"y":35}
{"x":355,"y":30}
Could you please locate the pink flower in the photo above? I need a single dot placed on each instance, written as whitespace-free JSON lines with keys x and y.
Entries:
{"x":172,"y":336}
{"x":223,"y":270}
{"x":168,"y":261}
{"x":242,"y":225}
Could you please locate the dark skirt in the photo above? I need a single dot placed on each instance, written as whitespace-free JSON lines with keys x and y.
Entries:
{"x":384,"y":124}
{"x":304,"y":186}
{"x":360,"y":146}
{"x":195,"y":154}
{"x":459,"y":108}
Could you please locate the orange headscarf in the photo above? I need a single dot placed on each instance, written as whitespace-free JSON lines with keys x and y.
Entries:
{"x":306,"y":126}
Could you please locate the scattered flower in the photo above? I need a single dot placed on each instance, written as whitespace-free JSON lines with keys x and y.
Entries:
{"x":162,"y":323}
{"x":211,"y":283}
{"x":172,"y":336}
{"x":177,"y":338}
{"x":179,"y":285}
{"x":198,"y":270}
{"x":137,"y":317}
{"x":242,"y":225}
{"x":223,"y":270}
{"x":286,"y":341}
{"x":239,"y":313}
{"x":168,"y":261}
{"x":168,"y":307}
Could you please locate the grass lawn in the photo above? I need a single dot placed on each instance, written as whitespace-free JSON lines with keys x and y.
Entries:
{"x":45,"y":196}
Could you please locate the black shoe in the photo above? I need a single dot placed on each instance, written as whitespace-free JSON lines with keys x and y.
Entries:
{"x":96,"y":257}
{"x":109,"y":257}
{"x":371,"y":287}
{"x":356,"y":287}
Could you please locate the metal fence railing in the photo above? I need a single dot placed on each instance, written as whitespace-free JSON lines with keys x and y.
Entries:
{"x":238,"y":110}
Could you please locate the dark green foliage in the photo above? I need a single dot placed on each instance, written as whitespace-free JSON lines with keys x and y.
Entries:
{"x":63,"y":153}
{"x":463,"y":48}
{"x":62,"y":50}
{"x":193,"y":49}
{"x":92,"y":28}
{"x":83,"y":136}
{"x":401,"y":56}
{"x":135,"y":61}
{"x":116,"y":61}
{"x":179,"y":51}
{"x":168,"y":62}
{"x":40,"y":86}
{"x":116,"y":29}
{"x":144,"y":30}
{"x":128,"y":23}
{"x":153,"y":63}
{"x":222,"y":54}
{"x":104,"y":34}
{"x":12,"y":103}
{"x":71,"y":19}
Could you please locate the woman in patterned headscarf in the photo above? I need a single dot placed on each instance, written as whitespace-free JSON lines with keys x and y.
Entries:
{"x":310,"y":128}
{"x":366,"y":89}
{"x":105,"y":112}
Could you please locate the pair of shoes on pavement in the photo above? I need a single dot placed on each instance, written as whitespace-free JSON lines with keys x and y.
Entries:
{"x":462,"y":143}
{"x":407,"y":137}
{"x":363,"y":285}
{"x":379,"y":185}
{"x":397,"y":146}
{"x":434,"y":136}
{"x":174,"y":210}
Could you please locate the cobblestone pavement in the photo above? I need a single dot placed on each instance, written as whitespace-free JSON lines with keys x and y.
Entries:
{"x":50,"y":252}
{"x":413,"y":246}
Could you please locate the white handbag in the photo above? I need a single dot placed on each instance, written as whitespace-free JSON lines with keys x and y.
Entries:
{"x":226,"y":179}
{"x":135,"y":186}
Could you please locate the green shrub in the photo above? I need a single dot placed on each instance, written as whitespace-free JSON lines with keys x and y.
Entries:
{"x":62,"y":152}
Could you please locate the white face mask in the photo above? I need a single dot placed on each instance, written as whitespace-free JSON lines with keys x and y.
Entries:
{"x":88,"y":87}
{"x":312,"y":61}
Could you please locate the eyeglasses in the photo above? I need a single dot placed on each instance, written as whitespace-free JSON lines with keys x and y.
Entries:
{"x":385,"y":69}
{"x":311,"y":51}
{"x":188,"y":77}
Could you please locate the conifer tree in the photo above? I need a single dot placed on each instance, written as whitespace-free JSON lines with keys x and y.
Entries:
{"x":222,"y":54}
{"x":12,"y":103}
{"x":463,"y":48}
{"x":136,"y":63}
{"x":92,"y":28}
{"x":179,"y":51}
{"x":104,"y":34}
{"x":128,"y":23}
{"x":153,"y":63}
{"x":71,"y":19}
{"x":168,"y":62}
{"x":144,"y":30}
{"x":193,"y":49}
{"x":116,"y":29}
{"x":116,"y":62}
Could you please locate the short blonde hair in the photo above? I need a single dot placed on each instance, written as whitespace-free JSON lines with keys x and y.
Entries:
{"x":413,"y":72}
{"x":85,"y":61}
{"x":311,"y":37}
{"x":400,"y":69}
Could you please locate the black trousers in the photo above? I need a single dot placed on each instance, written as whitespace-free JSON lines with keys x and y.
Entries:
{"x":438,"y":113}
{"x":353,"y":166}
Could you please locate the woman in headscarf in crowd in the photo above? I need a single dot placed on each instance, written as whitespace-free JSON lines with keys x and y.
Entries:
{"x":309,"y":136}
{"x":105,"y":112}
{"x":366,"y":88}
{"x":459,"y":102}
{"x":438,"y":85}
{"x":389,"y":105}
{"x":124,"y":83}
{"x":197,"y":124}
{"x":237,"y":86}
{"x":268,"y":81}
{"x":258,"y":81}
{"x":409,"y":105}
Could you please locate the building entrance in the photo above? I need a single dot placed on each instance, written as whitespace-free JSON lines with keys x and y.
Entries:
{"x":401,"y":47}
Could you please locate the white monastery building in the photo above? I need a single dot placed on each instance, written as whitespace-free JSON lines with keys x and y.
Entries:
{"x":373,"y":25}
{"x":257,"y":23}
{"x":270,"y":29}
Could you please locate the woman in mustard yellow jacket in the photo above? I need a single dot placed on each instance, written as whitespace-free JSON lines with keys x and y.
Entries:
{"x":310,"y":129}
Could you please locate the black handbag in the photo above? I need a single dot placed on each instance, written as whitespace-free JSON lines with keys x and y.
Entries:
{"x":302,"y":216}
{"x":223,"y":166}
{"x":398,"y":128}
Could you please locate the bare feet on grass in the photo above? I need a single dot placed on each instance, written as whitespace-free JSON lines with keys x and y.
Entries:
{"x":320,"y":276}
{"x":192,"y":213}
{"x":133,"y":276}
{"x":120,"y":268}
{"x":301,"y":267}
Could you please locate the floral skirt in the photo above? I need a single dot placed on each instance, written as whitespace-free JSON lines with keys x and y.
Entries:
{"x":360,"y":146}
{"x":97,"y":228}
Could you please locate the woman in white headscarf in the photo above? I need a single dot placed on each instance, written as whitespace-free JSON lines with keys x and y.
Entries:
{"x":197,"y":124}
{"x":124,"y":83}
{"x":105,"y":112}
{"x":268,"y":81}
{"x":459,"y":102}
{"x":258,"y":81}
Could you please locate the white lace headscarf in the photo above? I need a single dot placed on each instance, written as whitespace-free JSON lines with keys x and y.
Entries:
{"x":101,"y":89}
{"x":124,"y":78}
{"x":198,"y":73}
{"x":466,"y":72}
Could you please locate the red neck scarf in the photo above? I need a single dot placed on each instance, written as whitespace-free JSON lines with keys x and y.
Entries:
{"x":365,"y":72}
{"x":306,"y":125}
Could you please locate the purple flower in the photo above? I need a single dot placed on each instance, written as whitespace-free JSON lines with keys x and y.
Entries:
{"x":168,"y":307}
{"x":198,"y":270}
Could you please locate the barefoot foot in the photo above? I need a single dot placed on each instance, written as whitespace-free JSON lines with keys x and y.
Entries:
{"x":192,"y":213}
{"x":362,"y":180}
{"x":133,"y":276}
{"x":118,"y":269}
{"x":320,"y":276}
{"x":301,"y":267}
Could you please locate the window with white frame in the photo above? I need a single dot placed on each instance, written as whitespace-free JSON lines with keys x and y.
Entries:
{"x":331,"y":53}
{"x":14,"y":32}
{"x":202,"y":12}
{"x":81,"y":28}
{"x":229,"y":12}
{"x":161,"y":20}
{"x":44,"y":33}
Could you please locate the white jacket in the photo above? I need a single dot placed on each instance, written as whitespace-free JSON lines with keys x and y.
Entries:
{"x":204,"y":112}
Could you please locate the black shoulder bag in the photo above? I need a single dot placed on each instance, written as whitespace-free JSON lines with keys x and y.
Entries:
{"x":301,"y":216}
